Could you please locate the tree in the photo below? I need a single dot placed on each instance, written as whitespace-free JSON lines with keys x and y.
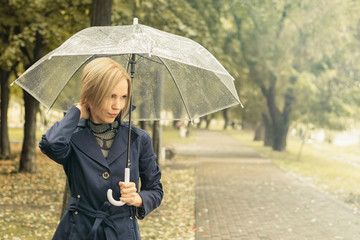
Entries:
{"x":4,"y":133}
{"x":331,"y":99}
{"x":7,"y":64}
{"x":281,"y":42}
{"x":254,"y":48}
{"x":100,"y":13}
{"x":34,"y":28}
{"x":28,"y":153}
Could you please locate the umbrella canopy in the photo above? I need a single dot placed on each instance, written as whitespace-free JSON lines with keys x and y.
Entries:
{"x":176,"y":78}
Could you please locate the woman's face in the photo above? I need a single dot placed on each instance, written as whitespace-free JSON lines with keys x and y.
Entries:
{"x":112,"y":104}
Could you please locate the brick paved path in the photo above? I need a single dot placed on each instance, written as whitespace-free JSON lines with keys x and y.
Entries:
{"x":240,"y":195}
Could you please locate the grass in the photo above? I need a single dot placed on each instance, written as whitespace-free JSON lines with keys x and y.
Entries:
{"x":17,"y":134}
{"x":318,"y":165}
{"x":173,"y":136}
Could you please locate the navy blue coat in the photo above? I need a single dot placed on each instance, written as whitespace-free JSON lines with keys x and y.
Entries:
{"x":89,"y":214}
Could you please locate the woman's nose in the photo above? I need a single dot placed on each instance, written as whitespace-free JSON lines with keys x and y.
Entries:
{"x":116,"y":104}
{"x":119,"y":104}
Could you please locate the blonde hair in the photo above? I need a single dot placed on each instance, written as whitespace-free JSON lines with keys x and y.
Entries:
{"x":99,"y":78}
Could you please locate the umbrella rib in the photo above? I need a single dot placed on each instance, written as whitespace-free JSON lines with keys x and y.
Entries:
{"x":52,"y":104}
{"x":178,"y":88}
{"x":149,"y":59}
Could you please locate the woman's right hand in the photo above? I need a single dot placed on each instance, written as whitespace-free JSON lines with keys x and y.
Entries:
{"x":84,"y":111}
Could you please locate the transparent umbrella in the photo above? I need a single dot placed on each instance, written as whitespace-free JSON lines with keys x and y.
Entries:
{"x":175,"y":77}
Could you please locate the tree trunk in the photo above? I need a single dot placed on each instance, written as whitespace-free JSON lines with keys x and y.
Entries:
{"x":303,"y":136}
{"x":259,"y":132}
{"x":28,"y":153}
{"x":100,"y":13}
{"x":5,"y":142}
{"x":156,"y":137}
{"x":280,"y":137}
{"x":142,"y":125}
{"x":269,"y":132}
{"x":279,"y":122}
{"x":284,"y":123}
{"x":198,"y":125}
{"x":276,"y":132}
{"x":157,"y":129}
{"x":208,"y":120}
{"x":226,"y":118}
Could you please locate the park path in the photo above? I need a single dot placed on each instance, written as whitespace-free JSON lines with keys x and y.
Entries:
{"x":240,"y":195}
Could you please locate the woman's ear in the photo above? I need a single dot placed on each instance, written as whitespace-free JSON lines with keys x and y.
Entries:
{"x":88,"y":106}
{"x":87,"y":103}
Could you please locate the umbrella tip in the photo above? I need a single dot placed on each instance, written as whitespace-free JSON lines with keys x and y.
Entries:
{"x":135,"y":21}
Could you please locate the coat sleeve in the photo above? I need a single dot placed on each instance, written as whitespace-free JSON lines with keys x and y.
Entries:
{"x":55,"y":142}
{"x":151,"y":190}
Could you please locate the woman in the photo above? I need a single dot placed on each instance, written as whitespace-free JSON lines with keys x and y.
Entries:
{"x":91,"y":144}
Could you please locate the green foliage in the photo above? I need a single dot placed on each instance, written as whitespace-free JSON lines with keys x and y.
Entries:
{"x":21,"y":21}
{"x":177,"y":17}
{"x":308,"y":48}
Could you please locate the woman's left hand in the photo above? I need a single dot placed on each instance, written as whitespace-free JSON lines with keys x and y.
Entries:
{"x":129,"y":194}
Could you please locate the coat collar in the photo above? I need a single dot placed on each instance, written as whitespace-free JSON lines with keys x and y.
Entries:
{"x":86,"y":142}
{"x":120,"y":144}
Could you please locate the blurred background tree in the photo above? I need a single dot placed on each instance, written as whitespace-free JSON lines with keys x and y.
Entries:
{"x":297,"y":55}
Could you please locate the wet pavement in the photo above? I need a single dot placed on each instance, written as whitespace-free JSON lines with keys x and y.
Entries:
{"x":240,"y":195}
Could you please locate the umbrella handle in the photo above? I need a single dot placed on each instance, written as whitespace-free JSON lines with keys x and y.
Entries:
{"x":109,"y":192}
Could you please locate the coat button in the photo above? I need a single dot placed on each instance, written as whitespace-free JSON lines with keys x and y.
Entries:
{"x":105,"y":175}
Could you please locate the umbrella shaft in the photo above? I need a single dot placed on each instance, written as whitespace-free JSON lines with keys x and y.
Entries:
{"x":132,"y":72}
{"x":132,"y":67}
